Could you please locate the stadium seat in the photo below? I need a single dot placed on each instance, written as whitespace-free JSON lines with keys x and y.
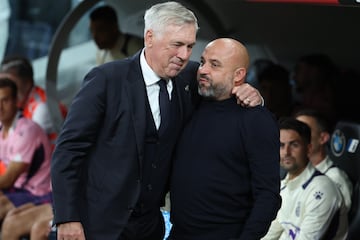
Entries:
{"x":344,"y":151}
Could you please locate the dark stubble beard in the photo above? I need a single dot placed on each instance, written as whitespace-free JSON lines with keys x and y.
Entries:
{"x":214,"y":91}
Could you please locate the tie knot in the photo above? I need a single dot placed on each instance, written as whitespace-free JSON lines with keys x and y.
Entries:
{"x":162,"y":83}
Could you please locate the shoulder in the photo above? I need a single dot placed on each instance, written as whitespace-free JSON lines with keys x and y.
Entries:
{"x":337,"y":175}
{"x":323,"y":184}
{"x":27,"y":127}
{"x":257,"y":116}
{"x":23,"y":122}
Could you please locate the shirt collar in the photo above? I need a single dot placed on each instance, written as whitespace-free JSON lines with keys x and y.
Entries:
{"x":150,"y":77}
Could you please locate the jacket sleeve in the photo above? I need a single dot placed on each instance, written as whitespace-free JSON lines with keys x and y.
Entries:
{"x":76,"y":139}
{"x":262,"y":144}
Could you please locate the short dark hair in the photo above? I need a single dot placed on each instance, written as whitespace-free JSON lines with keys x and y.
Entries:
{"x":321,"y":120}
{"x":6,"y":82}
{"x":290,"y":123}
{"x":104,"y":13}
{"x":21,"y":65}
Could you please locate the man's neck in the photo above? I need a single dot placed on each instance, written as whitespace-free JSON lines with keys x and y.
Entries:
{"x":6,"y":125}
{"x":318,"y":157}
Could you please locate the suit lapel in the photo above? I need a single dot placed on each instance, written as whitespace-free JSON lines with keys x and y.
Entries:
{"x":137,"y":101}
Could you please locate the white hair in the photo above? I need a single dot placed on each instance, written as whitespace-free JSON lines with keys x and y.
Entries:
{"x":161,"y":15}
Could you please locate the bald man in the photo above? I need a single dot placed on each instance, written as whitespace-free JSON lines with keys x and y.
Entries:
{"x":225,"y":177}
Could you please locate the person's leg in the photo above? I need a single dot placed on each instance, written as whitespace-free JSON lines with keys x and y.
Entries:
{"x":5,"y":206}
{"x":41,"y":227}
{"x":18,"y":222}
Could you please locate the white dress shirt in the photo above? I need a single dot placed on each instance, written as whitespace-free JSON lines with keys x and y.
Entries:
{"x":153,"y":89}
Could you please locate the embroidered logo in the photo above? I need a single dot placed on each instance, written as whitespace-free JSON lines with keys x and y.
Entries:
{"x":318,"y":195}
{"x":338,"y":143}
{"x":292,"y":234}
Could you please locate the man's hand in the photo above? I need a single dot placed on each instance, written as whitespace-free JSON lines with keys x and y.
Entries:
{"x":70,"y":231}
{"x":247,"y":95}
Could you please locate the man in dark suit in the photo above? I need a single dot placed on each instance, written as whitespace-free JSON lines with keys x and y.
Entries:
{"x":112,"y":161}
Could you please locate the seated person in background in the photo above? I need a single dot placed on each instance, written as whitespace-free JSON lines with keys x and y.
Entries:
{"x":255,"y":69}
{"x":312,"y":206}
{"x":25,"y":150}
{"x":314,"y":83}
{"x":112,"y":43}
{"x":28,"y":220}
{"x":274,"y":86}
{"x":320,"y":136}
{"x":224,"y":181}
{"x":31,"y":98}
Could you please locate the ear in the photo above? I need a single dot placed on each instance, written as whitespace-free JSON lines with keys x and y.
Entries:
{"x":324,"y":137}
{"x":239,"y":76}
{"x":148,"y":38}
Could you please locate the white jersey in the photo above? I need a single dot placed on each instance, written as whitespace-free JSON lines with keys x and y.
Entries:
{"x":309,"y":204}
{"x":339,"y":177}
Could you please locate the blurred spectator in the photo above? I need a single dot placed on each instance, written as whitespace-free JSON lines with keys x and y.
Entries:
{"x":31,"y":98}
{"x":112,"y":43}
{"x":314,"y":79}
{"x":347,"y":95}
{"x":255,"y":69}
{"x":4,"y":26}
{"x":274,"y":86}
{"x":25,"y":150}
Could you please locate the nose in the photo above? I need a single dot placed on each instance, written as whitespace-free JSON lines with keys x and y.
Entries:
{"x":184,"y":53}
{"x":203,"y":68}
{"x":285,"y":150}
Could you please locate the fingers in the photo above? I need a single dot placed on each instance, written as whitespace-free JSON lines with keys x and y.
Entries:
{"x":70,"y":231}
{"x":254,"y":99}
{"x":247,"y":95}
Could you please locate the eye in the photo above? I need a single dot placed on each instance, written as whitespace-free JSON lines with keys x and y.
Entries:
{"x":215,"y":64}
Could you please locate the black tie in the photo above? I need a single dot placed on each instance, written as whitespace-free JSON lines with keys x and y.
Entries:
{"x":164,"y":103}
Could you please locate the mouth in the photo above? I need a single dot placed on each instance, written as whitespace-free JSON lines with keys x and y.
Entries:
{"x":178,"y":66}
{"x":287,"y":160}
{"x":202,"y":80}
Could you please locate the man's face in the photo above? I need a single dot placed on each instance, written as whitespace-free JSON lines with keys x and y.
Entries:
{"x":21,"y":86}
{"x":216,"y":72}
{"x":169,"y":52}
{"x":316,"y":140}
{"x":104,"y":34}
{"x":8,"y":106}
{"x":293,"y":152}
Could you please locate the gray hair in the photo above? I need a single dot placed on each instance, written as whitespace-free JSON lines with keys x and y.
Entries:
{"x":160,"y":15}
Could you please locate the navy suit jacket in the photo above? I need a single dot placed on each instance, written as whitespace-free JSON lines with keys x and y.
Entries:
{"x":97,"y":163}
